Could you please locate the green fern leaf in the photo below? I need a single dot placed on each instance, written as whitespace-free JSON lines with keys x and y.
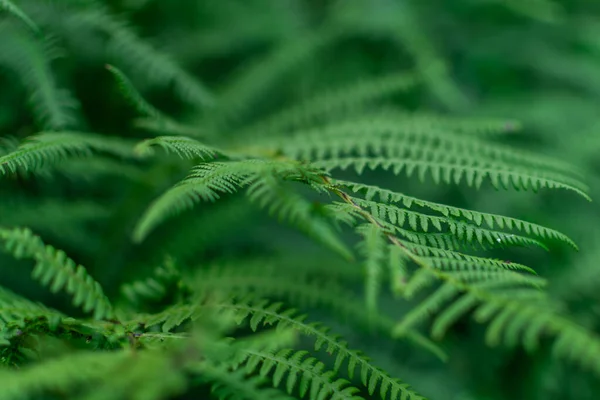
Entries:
{"x":234,"y":385}
{"x":54,"y":269}
{"x":184,"y":147}
{"x":314,"y":379}
{"x":372,"y":248}
{"x":53,"y":147}
{"x":455,"y":173}
{"x":263,"y":313}
{"x":493,"y":221}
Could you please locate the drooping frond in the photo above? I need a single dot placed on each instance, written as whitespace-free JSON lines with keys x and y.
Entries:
{"x":133,"y":96}
{"x":153,"y":118}
{"x":53,"y":147}
{"x":267,"y":280}
{"x":462,"y":231}
{"x":382,"y":135}
{"x":55,"y":270}
{"x":493,"y":221}
{"x":307,"y":373}
{"x":53,"y":107}
{"x":263,"y":313}
{"x":13,"y":9}
{"x":270,"y":193}
{"x":138,"y":57}
{"x":326,"y":105}
{"x":206,"y":181}
{"x":449,"y":171}
{"x":235,"y":385}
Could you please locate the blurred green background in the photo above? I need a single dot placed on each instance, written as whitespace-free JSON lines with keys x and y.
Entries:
{"x":533,"y":61}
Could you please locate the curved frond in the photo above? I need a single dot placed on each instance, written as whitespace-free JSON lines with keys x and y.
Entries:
{"x":493,"y":221}
{"x":451,"y":172}
{"x":314,"y":380}
{"x":235,"y":385}
{"x":207,"y":180}
{"x":28,"y":57}
{"x":182,"y":146}
{"x":263,"y":313}
{"x":54,"y":269}
{"x":53,"y":147}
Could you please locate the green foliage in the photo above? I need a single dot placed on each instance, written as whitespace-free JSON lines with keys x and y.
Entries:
{"x":229,"y":229}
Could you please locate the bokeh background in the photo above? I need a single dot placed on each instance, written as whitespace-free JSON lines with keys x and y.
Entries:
{"x":532,"y":61}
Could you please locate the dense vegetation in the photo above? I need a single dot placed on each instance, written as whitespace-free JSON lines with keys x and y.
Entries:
{"x":279,"y":199}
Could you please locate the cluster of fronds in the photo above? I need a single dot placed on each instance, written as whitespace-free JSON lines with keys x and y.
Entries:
{"x":226,"y":324}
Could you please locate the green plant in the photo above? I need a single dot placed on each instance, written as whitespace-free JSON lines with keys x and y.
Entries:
{"x":199,"y":289}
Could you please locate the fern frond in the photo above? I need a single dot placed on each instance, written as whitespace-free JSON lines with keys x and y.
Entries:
{"x":154,"y":119}
{"x":132,"y":95}
{"x":396,"y":137}
{"x":141,"y":58}
{"x":54,"y":108}
{"x":54,"y":269}
{"x":261,"y":313}
{"x":269,"y":192}
{"x":207,"y":180}
{"x":325,"y":105}
{"x":515,"y":313}
{"x":493,"y":221}
{"x":58,"y":374}
{"x":53,"y":147}
{"x":234,"y":385}
{"x":13,"y":9}
{"x":312,"y":374}
{"x":372,"y":249}
{"x":182,"y":146}
{"x":303,"y":291}
{"x":460,"y":230}
{"x":454,"y":173}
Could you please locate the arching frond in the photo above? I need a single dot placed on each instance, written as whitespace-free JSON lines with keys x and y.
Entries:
{"x":54,"y":269}
{"x":493,"y":221}
{"x":449,"y":171}
{"x":53,"y":147}
{"x":325,"y":105}
{"x":234,"y":385}
{"x":53,"y":107}
{"x":306,"y":372}
{"x":206,"y":181}
{"x":371,"y":377}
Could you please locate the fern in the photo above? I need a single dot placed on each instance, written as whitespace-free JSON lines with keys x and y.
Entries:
{"x":262,"y":313}
{"x":53,"y":107}
{"x":308,"y":114}
{"x":55,"y":270}
{"x":53,"y":147}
